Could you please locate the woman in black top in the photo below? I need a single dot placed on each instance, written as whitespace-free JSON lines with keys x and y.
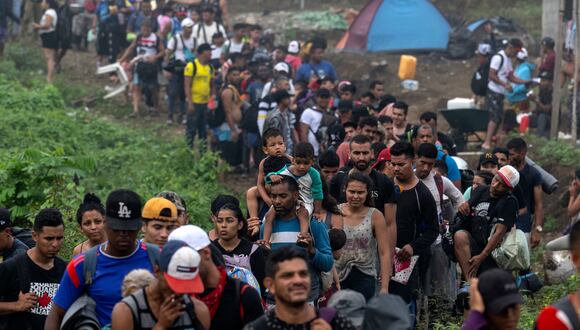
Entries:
{"x":231,"y":230}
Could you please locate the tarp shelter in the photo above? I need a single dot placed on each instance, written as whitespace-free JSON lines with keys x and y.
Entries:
{"x":397,"y":25}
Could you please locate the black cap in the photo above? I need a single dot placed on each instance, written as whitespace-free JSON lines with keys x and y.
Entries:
{"x":203,"y":47}
{"x":344,"y":106}
{"x":280,"y":95}
{"x":488,"y":157}
{"x":123,"y":210}
{"x":323,"y":92}
{"x":499,"y":290}
{"x":548,"y":42}
{"x":5,"y":218}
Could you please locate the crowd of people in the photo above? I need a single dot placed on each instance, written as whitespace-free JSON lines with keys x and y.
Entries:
{"x":360,"y":216}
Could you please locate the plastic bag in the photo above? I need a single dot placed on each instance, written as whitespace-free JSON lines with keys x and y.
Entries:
{"x":513,"y":252}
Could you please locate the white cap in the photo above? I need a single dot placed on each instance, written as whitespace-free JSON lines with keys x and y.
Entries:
{"x":192,"y":235}
{"x":187,"y":22}
{"x":509,"y":175}
{"x":293,"y":47}
{"x":522,"y":54}
{"x":282,"y":67}
{"x":483,"y":49}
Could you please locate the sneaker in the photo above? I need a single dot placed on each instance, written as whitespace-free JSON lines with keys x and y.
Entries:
{"x":184,"y":121}
{"x":169,"y":122}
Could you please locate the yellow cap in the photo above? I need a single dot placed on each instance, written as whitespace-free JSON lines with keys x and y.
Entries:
{"x":158,"y":208}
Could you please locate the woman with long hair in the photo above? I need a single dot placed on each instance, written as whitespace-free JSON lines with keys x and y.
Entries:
{"x":366,"y":233}
{"x":91,"y":220}
{"x":47,"y":30}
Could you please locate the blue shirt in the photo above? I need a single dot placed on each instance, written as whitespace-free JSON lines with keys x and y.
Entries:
{"x":322,"y":70}
{"x":107,"y":281}
{"x":519,"y":93}
{"x":452,"y":169}
{"x":285,"y":232}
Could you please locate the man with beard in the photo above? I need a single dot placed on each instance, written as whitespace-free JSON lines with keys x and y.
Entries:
{"x":29,"y":280}
{"x":531,"y":184}
{"x":286,"y":231}
{"x":288,"y":279}
{"x":383,"y":192}
{"x":115,"y":258}
{"x":416,"y":219}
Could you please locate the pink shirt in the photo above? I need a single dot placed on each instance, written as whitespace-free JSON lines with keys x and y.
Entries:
{"x":343,"y":152}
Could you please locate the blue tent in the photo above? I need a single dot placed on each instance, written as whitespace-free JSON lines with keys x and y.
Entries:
{"x":397,"y":25}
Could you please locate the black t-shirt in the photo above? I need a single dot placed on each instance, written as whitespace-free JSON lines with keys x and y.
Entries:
{"x":529,"y":178}
{"x":17,"y":248}
{"x":545,"y":96}
{"x":383,"y":191}
{"x":38,"y":280}
{"x":270,"y":321}
{"x":236,"y":308}
{"x":494,"y":211}
{"x":447,"y":142}
{"x":416,"y":218}
{"x":247,"y":255}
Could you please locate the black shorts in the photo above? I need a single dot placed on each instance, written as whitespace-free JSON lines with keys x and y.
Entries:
{"x":476,"y":248}
{"x":49,"y":40}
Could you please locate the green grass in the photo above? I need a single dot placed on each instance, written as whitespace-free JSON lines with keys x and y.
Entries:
{"x":50,"y":154}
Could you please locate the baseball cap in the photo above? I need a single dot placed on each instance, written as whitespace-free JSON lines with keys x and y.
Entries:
{"x":203,"y":47}
{"x":509,"y":175}
{"x":293,"y":47}
{"x":483,"y":49}
{"x":498,"y":289}
{"x":487,"y":157}
{"x":323,"y":92}
{"x":187,"y":22}
{"x":194,"y":236}
{"x":386,"y":311}
{"x":344,"y":106}
{"x":548,"y":41}
{"x":159,"y":208}
{"x":123,"y":210}
{"x":350,"y":304}
{"x":281,"y":67}
{"x":384,"y":156}
{"x":522,"y":54}
{"x":5,"y":218}
{"x":174,"y":198}
{"x":180,"y":266}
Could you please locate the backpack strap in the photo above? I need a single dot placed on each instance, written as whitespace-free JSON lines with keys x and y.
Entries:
{"x":240,"y":289}
{"x":327,"y":314}
{"x":439,"y":183}
{"x":566,"y":306}
{"x":90,"y":265}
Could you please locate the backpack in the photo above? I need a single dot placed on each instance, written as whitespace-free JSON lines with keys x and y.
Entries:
{"x":249,"y":121}
{"x":481,"y":77}
{"x":321,"y":133}
{"x":564,"y":305}
{"x":24,"y":235}
{"x":217,"y":116}
{"x":85,"y":305}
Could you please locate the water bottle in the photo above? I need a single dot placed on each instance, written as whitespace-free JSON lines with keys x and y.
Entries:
{"x":410,"y":85}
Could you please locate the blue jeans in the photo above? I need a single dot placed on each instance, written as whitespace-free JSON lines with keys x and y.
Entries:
{"x":176,"y":95}
{"x":360,"y":282}
{"x":196,"y":123}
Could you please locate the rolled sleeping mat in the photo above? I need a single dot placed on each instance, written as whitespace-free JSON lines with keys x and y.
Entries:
{"x":549,"y":182}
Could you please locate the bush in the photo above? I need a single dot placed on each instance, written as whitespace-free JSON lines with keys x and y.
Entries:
{"x":50,"y":156}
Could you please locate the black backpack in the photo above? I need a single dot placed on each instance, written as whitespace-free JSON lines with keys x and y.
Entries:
{"x":249,"y":121}
{"x":24,"y":235}
{"x":217,"y":116}
{"x":481,"y":77}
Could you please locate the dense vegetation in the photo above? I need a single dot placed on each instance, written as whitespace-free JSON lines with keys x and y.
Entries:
{"x":50,"y":155}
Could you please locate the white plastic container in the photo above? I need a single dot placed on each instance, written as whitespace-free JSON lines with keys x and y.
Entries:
{"x":410,"y":85}
{"x":460,"y":103}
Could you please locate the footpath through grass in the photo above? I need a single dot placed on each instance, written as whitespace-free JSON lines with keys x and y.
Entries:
{"x":50,"y":154}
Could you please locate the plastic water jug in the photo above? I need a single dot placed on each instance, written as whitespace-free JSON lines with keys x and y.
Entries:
{"x":407,"y":67}
{"x":410,"y":85}
{"x":460,"y":103}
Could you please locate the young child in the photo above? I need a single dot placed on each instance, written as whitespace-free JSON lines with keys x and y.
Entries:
{"x":310,"y":189}
{"x":337,"y":238}
{"x":275,"y":149}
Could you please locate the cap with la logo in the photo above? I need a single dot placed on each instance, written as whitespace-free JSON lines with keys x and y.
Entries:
{"x":123,"y":210}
